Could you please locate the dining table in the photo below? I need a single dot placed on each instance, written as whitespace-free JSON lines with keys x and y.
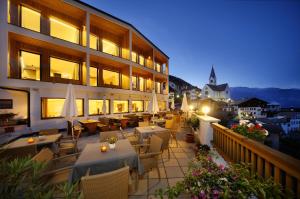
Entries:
{"x":90,"y":125}
{"x":146,"y":131}
{"x":95,"y":161}
{"x":40,"y":141}
{"x":123,"y":120}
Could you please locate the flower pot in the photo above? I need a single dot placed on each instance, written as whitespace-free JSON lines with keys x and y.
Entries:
{"x":112,"y":146}
{"x":190,"y":137}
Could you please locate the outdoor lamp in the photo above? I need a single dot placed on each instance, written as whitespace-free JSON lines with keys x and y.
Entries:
{"x":205,"y":110}
{"x":191,"y":107}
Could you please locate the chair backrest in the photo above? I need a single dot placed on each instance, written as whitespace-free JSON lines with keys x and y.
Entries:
{"x":155,"y":144}
{"x":45,"y":155}
{"x":107,"y":134}
{"x":169,"y":123}
{"x":143,"y":124}
{"x":48,"y":132}
{"x":104,"y":120}
{"x":19,"y":152}
{"x":165,"y":136}
{"x":112,"y":185}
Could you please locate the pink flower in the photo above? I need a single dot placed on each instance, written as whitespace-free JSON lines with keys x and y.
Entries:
{"x":222,"y":167}
{"x":209,"y":158}
{"x":202,"y":195}
{"x":215,"y":194}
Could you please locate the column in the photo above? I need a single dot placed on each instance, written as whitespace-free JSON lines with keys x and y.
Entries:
{"x":130,"y":77}
{"x":130,"y":43}
{"x":206,"y":131}
{"x":87,"y":24}
{"x":3,"y":41}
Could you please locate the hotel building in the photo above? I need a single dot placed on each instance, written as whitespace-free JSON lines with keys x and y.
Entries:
{"x":45,"y":45}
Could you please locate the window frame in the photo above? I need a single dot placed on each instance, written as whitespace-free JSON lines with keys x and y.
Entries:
{"x":97,"y":78}
{"x":107,"y":112}
{"x":20,"y":66}
{"x":109,"y":85}
{"x":143,"y":106}
{"x":59,"y":117}
{"x":121,"y":112}
{"x":69,"y":60}
{"x":20,"y":17}
{"x":117,"y":45}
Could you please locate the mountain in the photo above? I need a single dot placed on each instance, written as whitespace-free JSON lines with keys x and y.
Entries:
{"x":285,"y":97}
{"x":179,"y":84}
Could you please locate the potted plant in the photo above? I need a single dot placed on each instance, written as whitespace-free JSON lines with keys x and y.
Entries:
{"x":112,"y":142}
{"x":193,"y":123}
{"x":252,"y":131}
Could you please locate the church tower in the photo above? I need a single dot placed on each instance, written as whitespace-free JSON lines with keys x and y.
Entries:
{"x":212,"y":77}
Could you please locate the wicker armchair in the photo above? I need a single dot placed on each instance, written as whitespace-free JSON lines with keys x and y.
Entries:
{"x":165,"y":136}
{"x":173,"y":126}
{"x":144,"y":124}
{"x":132,"y":137}
{"x":108,"y":134}
{"x":112,"y":185}
{"x":149,"y":159}
{"x":57,"y":169}
{"x":68,"y":144}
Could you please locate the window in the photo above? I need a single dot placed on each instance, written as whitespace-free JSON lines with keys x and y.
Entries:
{"x":93,"y":76}
{"x":110,"y":47}
{"x":8,"y":11}
{"x":157,"y":67}
{"x":133,"y":56}
{"x":120,"y":106}
{"x":141,"y":60}
{"x":30,"y":65}
{"x":96,"y":107}
{"x":149,"y":62}
{"x":111,"y":78}
{"x":134,"y":82}
{"x":64,"y":69}
{"x":137,"y":106}
{"x":158,"y":87}
{"x":52,"y":107}
{"x":93,"y":42}
{"x":30,"y":19}
{"x":162,"y":106}
{"x":63,"y":30}
{"x":149,"y":85}
{"x":125,"y":53}
{"x":147,"y":104}
{"x":141,"y":84}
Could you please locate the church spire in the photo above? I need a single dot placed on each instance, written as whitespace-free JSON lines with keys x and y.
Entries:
{"x":212,"y":77}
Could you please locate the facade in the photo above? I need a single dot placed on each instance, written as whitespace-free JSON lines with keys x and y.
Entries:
{"x":252,"y":108}
{"x":46,"y":45}
{"x":216,"y":92}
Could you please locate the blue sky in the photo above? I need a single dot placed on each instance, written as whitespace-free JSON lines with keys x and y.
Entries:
{"x":251,"y":43}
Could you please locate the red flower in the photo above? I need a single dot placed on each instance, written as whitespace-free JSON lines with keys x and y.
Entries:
{"x":234,"y":126}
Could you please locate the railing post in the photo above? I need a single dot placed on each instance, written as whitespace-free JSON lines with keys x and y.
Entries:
{"x":206,"y":131}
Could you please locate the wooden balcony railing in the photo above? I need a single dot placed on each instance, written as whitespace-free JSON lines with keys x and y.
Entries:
{"x":264,"y":160}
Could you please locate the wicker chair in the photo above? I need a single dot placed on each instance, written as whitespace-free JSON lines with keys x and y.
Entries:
{"x":165,"y":136}
{"x":149,"y":159}
{"x":57,"y":169}
{"x":132,"y":137}
{"x":108,"y":134}
{"x":144,"y":124}
{"x":112,"y":185}
{"x":19,"y":152}
{"x":48,"y":132}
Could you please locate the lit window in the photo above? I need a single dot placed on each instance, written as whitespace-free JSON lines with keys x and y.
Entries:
{"x":141,"y":60}
{"x":111,"y":78}
{"x":162,"y":106}
{"x":141,"y":84}
{"x":96,"y":107}
{"x":149,"y":62}
{"x":8,"y":11}
{"x":158,"y":67}
{"x":64,"y":69}
{"x":30,"y":65}
{"x":149,"y":85}
{"x":120,"y":106}
{"x":93,"y":76}
{"x":134,"y":82}
{"x":137,"y":106}
{"x":110,"y":47}
{"x":133,"y":56}
{"x":30,"y":19}
{"x":125,"y":81}
{"x":52,"y":108}
{"x":63,"y":30}
{"x":158,"y":87}
{"x":93,"y":42}
{"x":125,"y":53}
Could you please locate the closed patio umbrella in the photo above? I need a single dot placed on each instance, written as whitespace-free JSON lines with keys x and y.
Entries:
{"x":70,"y":109}
{"x":153,"y":104}
{"x":184,"y":105}
{"x":172,"y":104}
{"x":104,"y":106}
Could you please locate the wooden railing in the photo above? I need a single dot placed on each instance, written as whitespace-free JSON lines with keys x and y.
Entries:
{"x":264,"y":160}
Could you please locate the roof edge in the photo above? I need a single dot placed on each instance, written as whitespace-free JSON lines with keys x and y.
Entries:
{"x":125,"y":22}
